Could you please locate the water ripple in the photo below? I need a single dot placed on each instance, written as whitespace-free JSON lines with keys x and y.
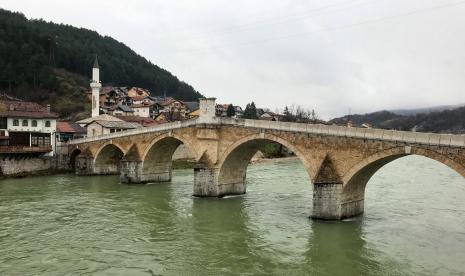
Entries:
{"x":65,"y":225}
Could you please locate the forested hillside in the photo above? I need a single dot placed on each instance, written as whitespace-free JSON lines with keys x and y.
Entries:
{"x":447,"y":121}
{"x":40,"y":60}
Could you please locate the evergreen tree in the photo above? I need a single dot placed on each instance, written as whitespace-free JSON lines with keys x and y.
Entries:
{"x":253,"y":111}
{"x":250,"y":111}
{"x":230,"y":112}
{"x":246,"y":112}
{"x":288,"y":116}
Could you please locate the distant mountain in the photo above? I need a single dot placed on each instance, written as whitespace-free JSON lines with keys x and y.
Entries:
{"x":446,"y":121}
{"x":426,"y":109}
{"x":48,"y":62}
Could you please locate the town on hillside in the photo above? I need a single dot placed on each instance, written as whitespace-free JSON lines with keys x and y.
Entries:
{"x":30,"y":127}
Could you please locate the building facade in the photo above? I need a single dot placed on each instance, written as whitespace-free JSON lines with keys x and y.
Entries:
{"x":141,"y":110}
{"x":67,"y":131}
{"x":97,"y":128}
{"x":27,"y":126}
{"x":105,"y":124}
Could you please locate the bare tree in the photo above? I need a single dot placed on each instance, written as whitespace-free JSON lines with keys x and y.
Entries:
{"x":296,"y":113}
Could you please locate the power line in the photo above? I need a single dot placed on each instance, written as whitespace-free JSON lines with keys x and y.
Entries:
{"x":285,"y":18}
{"x":369,"y":21}
{"x":221,"y":30}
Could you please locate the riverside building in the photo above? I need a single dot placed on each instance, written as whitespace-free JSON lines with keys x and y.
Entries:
{"x":26,"y":127}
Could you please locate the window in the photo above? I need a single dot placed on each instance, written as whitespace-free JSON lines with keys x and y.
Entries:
{"x":112,"y":130}
{"x":34,"y":140}
{"x":47,"y":141}
{"x":34,"y":123}
{"x":25,"y":123}
{"x":3,"y":123}
{"x":47,"y":123}
{"x":15,"y":122}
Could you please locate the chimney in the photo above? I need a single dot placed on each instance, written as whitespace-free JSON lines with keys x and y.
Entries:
{"x":12,"y":107}
{"x":48,"y":108}
{"x":207,"y":108}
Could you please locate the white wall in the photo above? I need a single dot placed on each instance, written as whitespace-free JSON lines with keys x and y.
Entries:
{"x":142,"y":111}
{"x":39,"y":128}
{"x":94,"y":128}
{"x":29,"y":128}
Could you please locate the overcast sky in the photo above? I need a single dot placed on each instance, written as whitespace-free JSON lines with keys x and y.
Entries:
{"x":329,"y":55}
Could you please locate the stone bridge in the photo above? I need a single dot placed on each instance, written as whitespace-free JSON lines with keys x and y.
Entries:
{"x":339,"y":160}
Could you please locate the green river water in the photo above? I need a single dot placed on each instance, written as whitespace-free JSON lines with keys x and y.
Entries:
{"x":414,"y":224}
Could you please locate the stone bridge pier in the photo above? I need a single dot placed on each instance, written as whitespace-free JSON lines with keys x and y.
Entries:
{"x":207,"y":184}
{"x":332,"y":199}
{"x":339,"y":161}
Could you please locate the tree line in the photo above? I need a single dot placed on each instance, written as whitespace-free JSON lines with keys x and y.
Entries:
{"x":447,"y":121}
{"x":293,"y":113}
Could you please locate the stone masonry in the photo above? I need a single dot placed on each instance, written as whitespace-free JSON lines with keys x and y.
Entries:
{"x":339,"y":160}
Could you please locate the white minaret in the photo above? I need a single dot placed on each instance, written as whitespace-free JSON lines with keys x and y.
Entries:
{"x":95,"y":85}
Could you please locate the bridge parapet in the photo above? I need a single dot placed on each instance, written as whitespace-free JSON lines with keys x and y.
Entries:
{"x":137,"y":131}
{"x":431,"y":139}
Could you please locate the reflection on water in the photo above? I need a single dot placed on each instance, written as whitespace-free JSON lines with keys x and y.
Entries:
{"x":414,"y":224}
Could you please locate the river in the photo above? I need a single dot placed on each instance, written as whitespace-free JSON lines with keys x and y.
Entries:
{"x":414,"y":224}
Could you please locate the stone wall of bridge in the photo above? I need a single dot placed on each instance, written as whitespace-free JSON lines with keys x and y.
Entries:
{"x":339,"y":160}
{"x":339,"y":167}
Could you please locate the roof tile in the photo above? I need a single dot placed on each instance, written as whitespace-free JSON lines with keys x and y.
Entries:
{"x":24,"y":109}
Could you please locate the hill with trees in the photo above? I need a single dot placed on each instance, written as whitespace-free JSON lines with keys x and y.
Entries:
{"x":446,"y":121}
{"x":47,"y":62}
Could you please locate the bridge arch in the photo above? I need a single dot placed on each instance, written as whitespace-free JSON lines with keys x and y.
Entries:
{"x":356,"y":179}
{"x":72,"y":158}
{"x":235,"y":160}
{"x":107,"y":159}
{"x":157,"y":159}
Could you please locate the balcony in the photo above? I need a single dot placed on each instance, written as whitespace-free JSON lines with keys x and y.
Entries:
{"x":25,"y":149}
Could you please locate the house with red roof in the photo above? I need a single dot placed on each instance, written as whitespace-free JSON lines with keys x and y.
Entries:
{"x":69,"y":130}
{"x":173,"y":109}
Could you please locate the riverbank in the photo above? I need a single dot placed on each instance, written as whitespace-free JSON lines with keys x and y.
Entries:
{"x":190,"y":163}
{"x":183,"y":164}
{"x":273,"y":160}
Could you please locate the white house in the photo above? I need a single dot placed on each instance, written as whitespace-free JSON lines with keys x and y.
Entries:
{"x":105,"y":124}
{"x":27,"y":126}
{"x":141,"y":110}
